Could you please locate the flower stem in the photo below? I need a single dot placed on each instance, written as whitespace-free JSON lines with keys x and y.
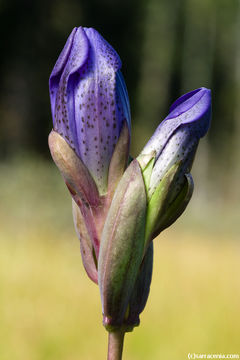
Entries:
{"x":115,"y":345}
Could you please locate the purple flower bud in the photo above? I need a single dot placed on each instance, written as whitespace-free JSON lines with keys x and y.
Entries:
{"x":177,"y":137}
{"x":89,"y":100}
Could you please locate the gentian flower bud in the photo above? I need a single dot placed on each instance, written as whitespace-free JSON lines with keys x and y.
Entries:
{"x":167,"y":158}
{"x":89,"y":100}
{"x":91,"y":132}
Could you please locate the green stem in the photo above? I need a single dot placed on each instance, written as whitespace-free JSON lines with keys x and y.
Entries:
{"x":115,"y":345}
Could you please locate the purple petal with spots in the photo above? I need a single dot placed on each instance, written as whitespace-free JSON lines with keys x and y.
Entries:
{"x":193,"y":108}
{"x":89,"y":100}
{"x":177,"y":137}
{"x":57,"y":71}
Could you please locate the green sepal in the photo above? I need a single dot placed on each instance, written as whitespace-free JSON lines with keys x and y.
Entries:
{"x":73,"y":170}
{"x":147,"y":172}
{"x":141,"y":289}
{"x":86,"y":246}
{"x":177,"y":207}
{"x":119,"y":160}
{"x":144,"y":159}
{"x":159,"y":201}
{"x":122,"y":244}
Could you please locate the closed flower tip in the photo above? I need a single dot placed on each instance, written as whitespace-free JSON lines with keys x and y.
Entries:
{"x":89,"y":100}
{"x":177,"y":136}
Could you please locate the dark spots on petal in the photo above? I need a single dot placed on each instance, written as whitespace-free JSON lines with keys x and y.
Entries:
{"x":83,"y":120}
{"x":114,"y":126}
{"x":95,"y":138}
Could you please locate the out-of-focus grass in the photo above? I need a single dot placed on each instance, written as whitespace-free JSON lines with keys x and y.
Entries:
{"x":49,"y":309}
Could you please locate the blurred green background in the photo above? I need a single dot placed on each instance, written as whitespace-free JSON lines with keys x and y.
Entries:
{"x":48,"y":307}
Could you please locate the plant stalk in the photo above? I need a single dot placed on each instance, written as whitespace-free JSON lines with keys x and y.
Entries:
{"x":115,"y":345}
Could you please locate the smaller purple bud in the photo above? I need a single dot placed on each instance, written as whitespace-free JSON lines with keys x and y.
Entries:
{"x":89,"y":100}
{"x":167,"y":159}
{"x":177,"y":137}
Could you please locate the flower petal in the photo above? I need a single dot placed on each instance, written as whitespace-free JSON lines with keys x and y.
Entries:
{"x":91,"y":102}
{"x":193,"y":108}
{"x":58,"y":69}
